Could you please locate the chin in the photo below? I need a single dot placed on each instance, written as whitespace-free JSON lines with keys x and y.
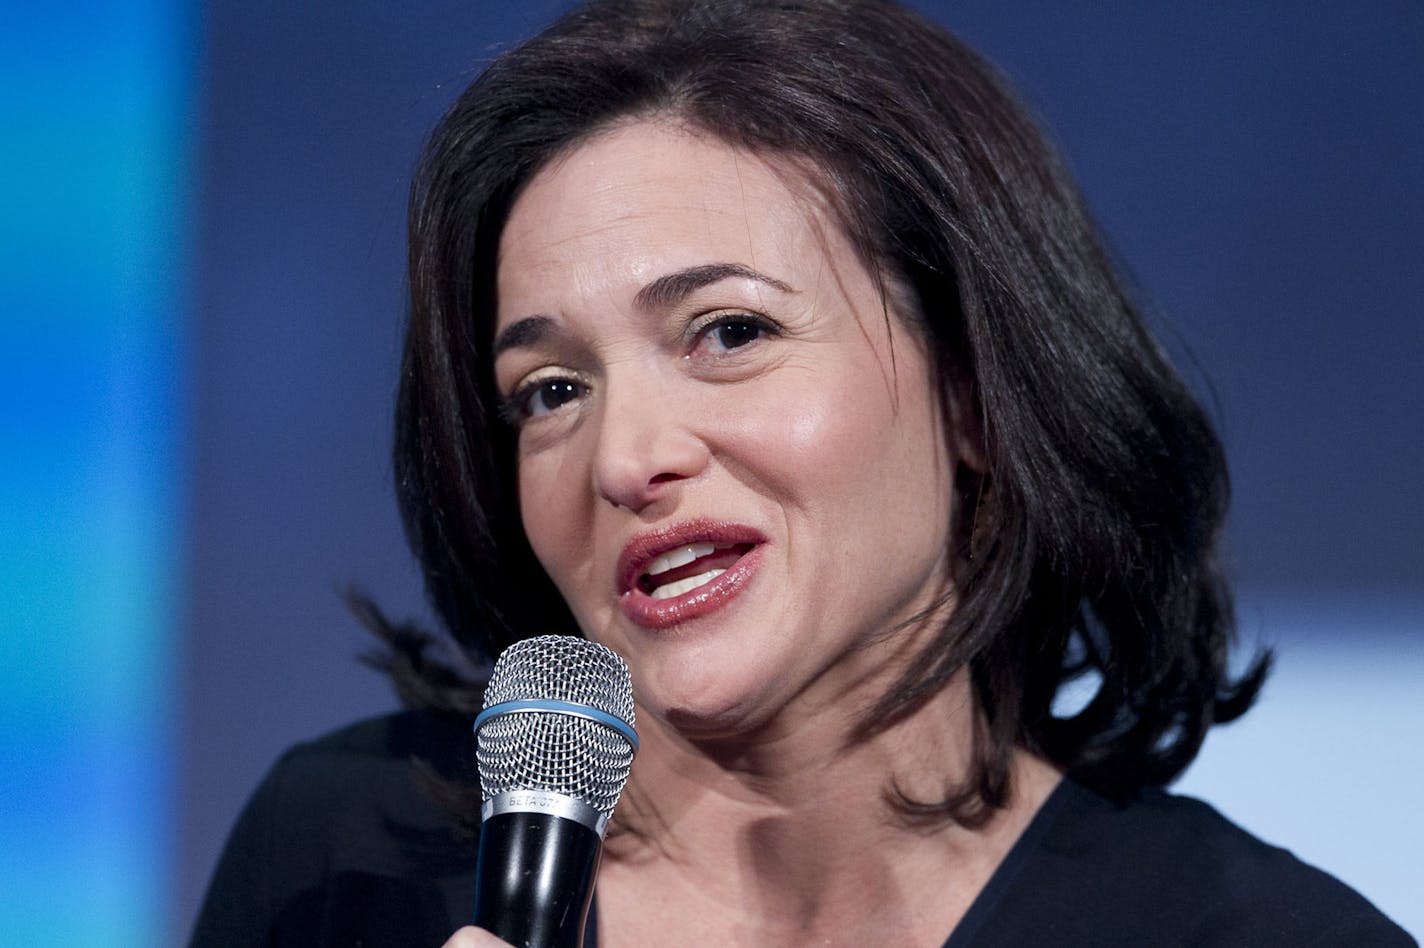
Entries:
{"x":730,"y":728}
{"x":704,"y":702}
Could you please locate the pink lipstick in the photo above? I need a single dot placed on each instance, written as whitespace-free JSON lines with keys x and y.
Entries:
{"x":678,"y":573}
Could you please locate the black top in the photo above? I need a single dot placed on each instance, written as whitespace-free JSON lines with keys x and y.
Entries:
{"x":341,"y":845}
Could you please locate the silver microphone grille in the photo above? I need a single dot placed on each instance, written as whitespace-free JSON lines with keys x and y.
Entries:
{"x":553,"y":750}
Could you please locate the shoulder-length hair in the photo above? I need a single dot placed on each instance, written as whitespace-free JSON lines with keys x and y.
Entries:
{"x":1095,"y":524}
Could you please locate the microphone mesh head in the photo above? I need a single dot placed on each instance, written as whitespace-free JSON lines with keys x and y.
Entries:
{"x":546,"y":750}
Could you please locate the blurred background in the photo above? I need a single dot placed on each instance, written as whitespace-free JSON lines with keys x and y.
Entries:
{"x":201,"y":214}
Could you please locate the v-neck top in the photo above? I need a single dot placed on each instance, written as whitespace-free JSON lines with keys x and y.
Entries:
{"x":342,"y":845}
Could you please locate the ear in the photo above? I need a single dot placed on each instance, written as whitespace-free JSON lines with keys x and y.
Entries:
{"x":966,"y":423}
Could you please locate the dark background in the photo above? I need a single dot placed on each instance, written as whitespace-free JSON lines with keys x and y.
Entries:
{"x":1258,"y":169}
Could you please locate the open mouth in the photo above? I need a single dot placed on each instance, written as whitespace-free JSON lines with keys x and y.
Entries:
{"x":684,"y":571}
{"x":679,"y":571}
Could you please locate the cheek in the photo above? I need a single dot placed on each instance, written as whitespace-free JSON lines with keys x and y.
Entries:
{"x":863,"y":457}
{"x":796,"y":435}
{"x":550,"y":496}
{"x":780,"y":435}
{"x":811,"y":439}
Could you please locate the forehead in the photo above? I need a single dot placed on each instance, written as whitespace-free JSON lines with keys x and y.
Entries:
{"x":645,"y":198}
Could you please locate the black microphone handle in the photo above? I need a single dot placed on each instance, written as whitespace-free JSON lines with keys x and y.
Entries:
{"x":534,"y":880}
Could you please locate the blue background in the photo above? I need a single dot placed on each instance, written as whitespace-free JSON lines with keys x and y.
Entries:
{"x":201,"y":213}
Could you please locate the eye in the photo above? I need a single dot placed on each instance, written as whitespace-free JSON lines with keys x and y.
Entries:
{"x":732,"y":331}
{"x":541,"y":396}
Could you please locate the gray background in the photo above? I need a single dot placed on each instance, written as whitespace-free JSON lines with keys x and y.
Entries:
{"x":1258,"y":168}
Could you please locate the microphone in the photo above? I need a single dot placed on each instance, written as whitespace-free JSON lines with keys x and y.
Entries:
{"x":555,"y":744}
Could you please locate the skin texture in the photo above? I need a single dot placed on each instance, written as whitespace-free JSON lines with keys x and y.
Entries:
{"x":823,"y":435}
{"x":472,"y":937}
{"x":795,"y":403}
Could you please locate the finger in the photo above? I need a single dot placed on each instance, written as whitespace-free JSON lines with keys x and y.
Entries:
{"x":472,"y":937}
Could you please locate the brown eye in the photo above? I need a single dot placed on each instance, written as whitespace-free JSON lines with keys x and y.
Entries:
{"x":541,"y":397}
{"x":734,"y":335}
{"x":550,"y":395}
{"x":734,"y":331}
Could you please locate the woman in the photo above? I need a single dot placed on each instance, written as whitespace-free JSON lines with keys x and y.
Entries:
{"x":770,"y":346}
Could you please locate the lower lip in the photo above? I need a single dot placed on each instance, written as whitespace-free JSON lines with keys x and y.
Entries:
{"x":652,"y":613}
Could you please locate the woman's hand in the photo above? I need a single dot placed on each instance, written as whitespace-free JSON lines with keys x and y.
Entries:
{"x":472,"y":937}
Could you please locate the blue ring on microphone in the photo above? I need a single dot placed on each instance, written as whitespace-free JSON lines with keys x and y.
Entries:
{"x":528,"y":705}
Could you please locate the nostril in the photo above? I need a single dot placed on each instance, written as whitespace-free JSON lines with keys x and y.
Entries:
{"x":664,"y":478}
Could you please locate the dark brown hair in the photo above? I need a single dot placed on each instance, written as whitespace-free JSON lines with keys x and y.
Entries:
{"x":1094,"y":549}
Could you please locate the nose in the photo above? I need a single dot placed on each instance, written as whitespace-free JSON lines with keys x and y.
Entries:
{"x":645,"y":445}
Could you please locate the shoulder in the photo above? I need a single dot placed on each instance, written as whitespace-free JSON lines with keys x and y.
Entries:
{"x":1213,"y":871}
{"x":380,"y":749}
{"x":340,"y":830}
{"x":347,"y":791}
{"x":376,"y":769}
{"x":396,"y":736}
{"x":1164,"y":869}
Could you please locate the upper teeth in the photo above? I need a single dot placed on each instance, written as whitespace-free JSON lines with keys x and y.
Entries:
{"x":679,"y":557}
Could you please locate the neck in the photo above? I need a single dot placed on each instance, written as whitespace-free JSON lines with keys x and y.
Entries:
{"x":794,"y":829}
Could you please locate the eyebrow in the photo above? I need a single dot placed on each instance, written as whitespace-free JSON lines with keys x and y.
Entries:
{"x":521,"y":332}
{"x":665,"y":291}
{"x":673,"y":288}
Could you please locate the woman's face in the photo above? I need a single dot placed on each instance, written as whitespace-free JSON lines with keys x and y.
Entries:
{"x":732,"y":461}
